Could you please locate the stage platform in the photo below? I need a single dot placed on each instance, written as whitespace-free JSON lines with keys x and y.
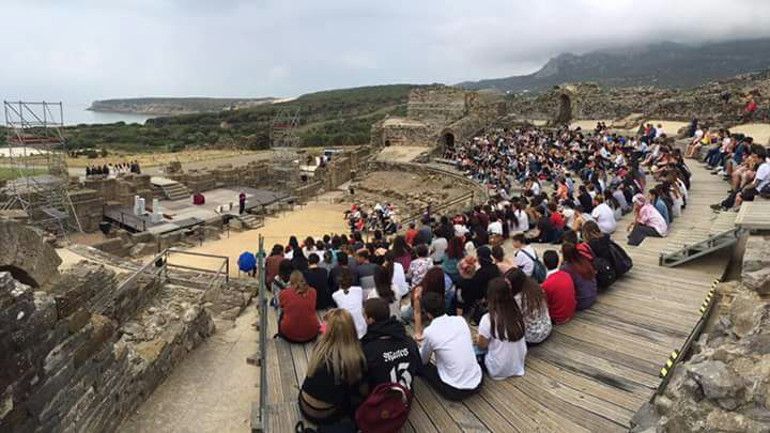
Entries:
{"x":183,"y":214}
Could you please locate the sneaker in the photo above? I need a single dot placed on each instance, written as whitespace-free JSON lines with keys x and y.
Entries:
{"x":716,"y":206}
{"x":722,"y":172}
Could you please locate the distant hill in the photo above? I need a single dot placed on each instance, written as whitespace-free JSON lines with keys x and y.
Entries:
{"x":333,"y":117}
{"x":174,"y":106}
{"x":666,"y":65}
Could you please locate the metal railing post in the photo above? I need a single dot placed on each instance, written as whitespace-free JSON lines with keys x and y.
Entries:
{"x":262,"y":297}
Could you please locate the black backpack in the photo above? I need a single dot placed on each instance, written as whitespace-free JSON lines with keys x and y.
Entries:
{"x":605,"y":272}
{"x":621,"y":262}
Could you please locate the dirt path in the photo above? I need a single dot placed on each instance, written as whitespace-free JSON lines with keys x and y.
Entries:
{"x":211,"y":391}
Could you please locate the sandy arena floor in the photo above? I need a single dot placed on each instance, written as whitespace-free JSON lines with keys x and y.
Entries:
{"x":314,"y":219}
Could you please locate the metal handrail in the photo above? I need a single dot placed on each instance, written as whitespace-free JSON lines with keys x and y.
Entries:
{"x":261,"y":423}
{"x":443,"y":206}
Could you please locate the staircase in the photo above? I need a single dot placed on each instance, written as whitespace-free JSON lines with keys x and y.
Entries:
{"x":175,"y":191}
{"x":251,"y":221}
{"x":721,"y":233}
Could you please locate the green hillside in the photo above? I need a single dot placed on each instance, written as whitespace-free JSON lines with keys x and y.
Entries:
{"x":335,"y":117}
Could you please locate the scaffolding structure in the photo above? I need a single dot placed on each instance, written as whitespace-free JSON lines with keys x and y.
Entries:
{"x":285,"y":143}
{"x":35,"y":157}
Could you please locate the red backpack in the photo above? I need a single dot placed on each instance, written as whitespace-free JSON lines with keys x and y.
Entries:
{"x":385,"y":410}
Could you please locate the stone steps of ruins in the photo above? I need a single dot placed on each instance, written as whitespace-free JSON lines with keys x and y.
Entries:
{"x":176,"y":191}
{"x":251,"y":221}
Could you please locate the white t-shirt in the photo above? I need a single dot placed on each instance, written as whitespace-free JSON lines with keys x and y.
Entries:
{"x":353,"y":301}
{"x":504,"y":358}
{"x":523,"y":220}
{"x":763,"y":174}
{"x":438,"y":246}
{"x":523,"y":262}
{"x":535,"y":188}
{"x":495,"y":228}
{"x":449,"y":337}
{"x":605,"y":218}
{"x":399,"y":280}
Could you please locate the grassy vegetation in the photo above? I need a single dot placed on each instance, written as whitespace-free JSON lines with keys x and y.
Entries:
{"x":335,"y":117}
{"x":7,"y":173}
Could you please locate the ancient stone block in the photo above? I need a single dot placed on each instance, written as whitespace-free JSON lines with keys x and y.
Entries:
{"x":758,"y":280}
{"x":26,"y":255}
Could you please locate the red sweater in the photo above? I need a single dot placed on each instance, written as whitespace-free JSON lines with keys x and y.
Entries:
{"x":557,"y":220}
{"x":299,"y":322}
{"x":560,"y":294}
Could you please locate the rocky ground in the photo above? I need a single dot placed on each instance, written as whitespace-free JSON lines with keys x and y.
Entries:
{"x":725,"y":385}
{"x":411,"y":193}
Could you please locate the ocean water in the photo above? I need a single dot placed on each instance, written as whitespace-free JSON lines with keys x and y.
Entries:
{"x":76,"y":113}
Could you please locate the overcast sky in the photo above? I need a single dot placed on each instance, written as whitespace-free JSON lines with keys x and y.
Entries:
{"x":95,"y":49}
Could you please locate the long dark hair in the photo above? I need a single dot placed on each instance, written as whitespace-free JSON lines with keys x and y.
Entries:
{"x":531,"y":293}
{"x":400,"y":248}
{"x":456,"y":248}
{"x":383,"y":284}
{"x":504,"y":315}
{"x":582,"y":266}
{"x":433,"y":281}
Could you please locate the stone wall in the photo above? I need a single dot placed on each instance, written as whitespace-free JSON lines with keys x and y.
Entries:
{"x":433,"y":111}
{"x":725,"y":385}
{"x":437,"y":106}
{"x":591,"y":101}
{"x":24,"y":254}
{"x":67,"y":365}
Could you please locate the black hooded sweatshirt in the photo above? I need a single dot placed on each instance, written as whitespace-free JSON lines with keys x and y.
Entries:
{"x":390,"y":354}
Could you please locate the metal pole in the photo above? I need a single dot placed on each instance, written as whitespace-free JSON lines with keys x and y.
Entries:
{"x":262,"y":296}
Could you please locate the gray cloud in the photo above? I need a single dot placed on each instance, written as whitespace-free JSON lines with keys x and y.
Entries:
{"x":86,"y":49}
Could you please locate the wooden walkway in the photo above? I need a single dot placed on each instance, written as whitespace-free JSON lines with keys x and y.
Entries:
{"x":591,"y":375}
{"x":754,"y":215}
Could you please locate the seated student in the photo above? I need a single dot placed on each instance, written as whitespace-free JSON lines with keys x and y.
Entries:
{"x":525,"y":255}
{"x":364,"y":271}
{"x":247,"y":263}
{"x":298,"y":322}
{"x":473,"y":287}
{"x":385,"y":289}
{"x":433,"y":282}
{"x":456,"y":374}
{"x":583,"y":275}
{"x":391,"y":355}
{"x":281,"y":279}
{"x":419,"y":266}
{"x":604,"y":216}
{"x":501,"y":333}
{"x":647,"y":222}
{"x":559,"y":290}
{"x":351,"y":298}
{"x":318,"y":278}
{"x":334,"y":385}
{"x":532,"y":304}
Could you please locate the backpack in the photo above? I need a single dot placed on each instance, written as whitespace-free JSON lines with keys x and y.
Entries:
{"x":538,"y":270}
{"x":621,"y":262}
{"x":385,"y":410}
{"x":605,"y":273}
{"x":340,"y":427}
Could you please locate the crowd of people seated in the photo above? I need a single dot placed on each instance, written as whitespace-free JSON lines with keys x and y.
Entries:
{"x":447,"y":300}
{"x":113,"y":170}
{"x":735,"y":157}
{"x":361,"y":218}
